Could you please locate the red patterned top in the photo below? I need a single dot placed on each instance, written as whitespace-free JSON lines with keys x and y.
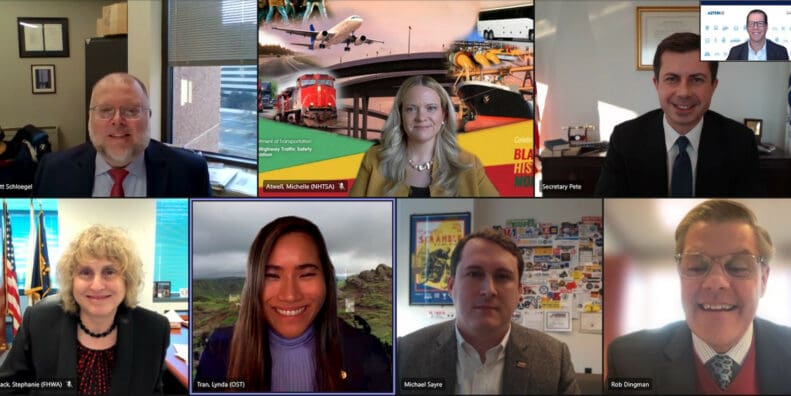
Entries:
{"x":94,"y":370}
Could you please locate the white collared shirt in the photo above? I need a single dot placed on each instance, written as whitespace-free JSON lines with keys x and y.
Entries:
{"x":134,"y":183}
{"x":759,"y":55}
{"x":738,"y":352}
{"x":474,"y":377}
{"x":672,"y":150}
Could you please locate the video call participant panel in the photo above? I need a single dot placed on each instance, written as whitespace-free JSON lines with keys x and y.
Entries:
{"x":499,"y":296}
{"x":92,"y":280}
{"x":639,"y":108}
{"x":292,"y":296}
{"x":745,"y":30}
{"x":376,"y":99}
{"x":697,"y":296}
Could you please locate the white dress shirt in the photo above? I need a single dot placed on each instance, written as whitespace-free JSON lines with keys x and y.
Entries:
{"x":737,"y":353}
{"x":759,"y":55}
{"x":474,"y":377}
{"x":134,"y":183}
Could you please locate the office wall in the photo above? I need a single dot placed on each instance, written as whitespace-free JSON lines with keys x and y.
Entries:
{"x":64,"y":109}
{"x":585,"y":348}
{"x":145,"y":54}
{"x":136,"y":216}
{"x":585,"y":53}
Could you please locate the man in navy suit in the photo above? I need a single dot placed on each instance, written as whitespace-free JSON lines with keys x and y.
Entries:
{"x":682,"y":149}
{"x":758,"y":47}
{"x":121,"y":160}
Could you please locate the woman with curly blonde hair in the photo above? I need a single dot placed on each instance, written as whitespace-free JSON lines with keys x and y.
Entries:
{"x":92,"y":333}
{"x":419,"y":155}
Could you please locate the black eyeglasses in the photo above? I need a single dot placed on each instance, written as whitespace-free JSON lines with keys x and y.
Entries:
{"x":737,"y":266}
{"x":756,"y":24}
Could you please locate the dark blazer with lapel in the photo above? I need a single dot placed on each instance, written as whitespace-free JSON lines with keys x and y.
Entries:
{"x":368,"y":363}
{"x":667,"y":356}
{"x":636,"y":163}
{"x":430,"y":353}
{"x":170,"y":172}
{"x":45,"y":348}
{"x":774,"y":51}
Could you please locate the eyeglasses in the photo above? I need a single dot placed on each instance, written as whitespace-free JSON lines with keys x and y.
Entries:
{"x":737,"y":266}
{"x":758,"y":24}
{"x":107,"y":273}
{"x":127,"y":113}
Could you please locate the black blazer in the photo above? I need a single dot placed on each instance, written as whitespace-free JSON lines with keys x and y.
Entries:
{"x":45,"y":348}
{"x":667,"y":356}
{"x":170,"y":172}
{"x":774,"y":51}
{"x":636,"y":163}
{"x":367,"y":362}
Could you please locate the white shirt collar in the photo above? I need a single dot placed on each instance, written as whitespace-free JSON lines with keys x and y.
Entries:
{"x":756,"y":55}
{"x":137,"y":167}
{"x":671,"y":135}
{"x":474,"y":377}
{"x":738,"y":352}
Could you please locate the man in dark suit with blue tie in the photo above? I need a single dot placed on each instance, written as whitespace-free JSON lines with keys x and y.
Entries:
{"x":121,"y":160}
{"x":682,"y":149}
{"x":758,"y":47}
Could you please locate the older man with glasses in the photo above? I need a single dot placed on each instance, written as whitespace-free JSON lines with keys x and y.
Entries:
{"x":722,"y":256}
{"x":758,"y":47}
{"x":121,"y":160}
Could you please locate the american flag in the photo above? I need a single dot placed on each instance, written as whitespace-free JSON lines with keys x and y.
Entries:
{"x":12,"y":293}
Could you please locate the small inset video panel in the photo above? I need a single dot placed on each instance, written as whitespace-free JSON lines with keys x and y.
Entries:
{"x":745,"y":30}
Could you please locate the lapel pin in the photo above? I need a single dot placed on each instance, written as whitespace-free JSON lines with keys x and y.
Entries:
{"x":521,"y":364}
{"x":343,"y":375}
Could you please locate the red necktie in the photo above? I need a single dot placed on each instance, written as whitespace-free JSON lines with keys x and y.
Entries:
{"x":118,"y":175}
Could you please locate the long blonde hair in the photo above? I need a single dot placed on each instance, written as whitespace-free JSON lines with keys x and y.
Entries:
{"x":393,"y":156}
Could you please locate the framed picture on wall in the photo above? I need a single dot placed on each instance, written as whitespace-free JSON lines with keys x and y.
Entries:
{"x":43,"y":37}
{"x":42,"y":78}
{"x":557,"y":321}
{"x":432,"y":238}
{"x":656,"y":23}
{"x":755,"y":125}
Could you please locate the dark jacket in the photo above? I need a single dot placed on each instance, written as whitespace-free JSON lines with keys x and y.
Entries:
{"x":667,"y":357}
{"x":170,"y":172}
{"x":366,"y":361}
{"x":636,"y":163}
{"x":45,"y":348}
{"x":773,"y":51}
{"x":535,"y":363}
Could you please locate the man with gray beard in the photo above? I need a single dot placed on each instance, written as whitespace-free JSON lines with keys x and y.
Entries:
{"x":121,"y":160}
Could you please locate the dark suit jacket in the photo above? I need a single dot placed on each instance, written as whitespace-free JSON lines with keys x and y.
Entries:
{"x":45,"y":348}
{"x":431,"y":353}
{"x":667,"y":356}
{"x":636,"y":163}
{"x":367,"y":362}
{"x":170,"y":172}
{"x":774,"y":51}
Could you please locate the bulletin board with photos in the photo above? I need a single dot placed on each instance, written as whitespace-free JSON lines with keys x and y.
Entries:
{"x":562,"y":279}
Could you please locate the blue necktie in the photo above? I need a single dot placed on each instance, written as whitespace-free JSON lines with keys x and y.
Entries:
{"x":723,"y":368}
{"x":681,"y":179}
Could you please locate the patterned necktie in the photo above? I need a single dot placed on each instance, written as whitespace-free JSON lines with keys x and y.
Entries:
{"x":723,"y":368}
{"x":681,"y":179}
{"x":118,"y":175}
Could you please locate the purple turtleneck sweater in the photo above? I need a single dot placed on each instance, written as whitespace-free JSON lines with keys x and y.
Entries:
{"x":293,"y":362}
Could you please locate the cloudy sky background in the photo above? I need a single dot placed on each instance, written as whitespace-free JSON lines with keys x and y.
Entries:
{"x":358,"y":234}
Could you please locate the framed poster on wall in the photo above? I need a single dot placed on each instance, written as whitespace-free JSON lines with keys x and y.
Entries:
{"x":432,"y":238}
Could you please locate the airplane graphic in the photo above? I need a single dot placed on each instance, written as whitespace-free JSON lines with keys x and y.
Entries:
{"x":343,"y":32}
